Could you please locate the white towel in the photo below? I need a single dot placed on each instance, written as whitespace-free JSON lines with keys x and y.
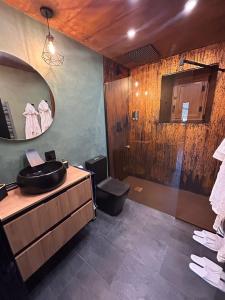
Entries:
{"x":220,"y":152}
{"x":217,"y":197}
{"x":217,"y":223}
{"x":221,"y":253}
{"x":32,"y":127}
{"x":45,"y":114}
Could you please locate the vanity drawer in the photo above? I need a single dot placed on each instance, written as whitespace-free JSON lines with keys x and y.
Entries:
{"x":79,"y":194}
{"x":28,"y":227}
{"x":36,"y":255}
{"x":66,"y":230}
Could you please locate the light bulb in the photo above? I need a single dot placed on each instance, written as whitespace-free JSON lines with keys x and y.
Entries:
{"x":136,"y":83}
{"x":131,"y":33}
{"x":190,"y":4}
{"x":51,"y":47}
{"x":146,"y":93}
{"x":137,"y":94}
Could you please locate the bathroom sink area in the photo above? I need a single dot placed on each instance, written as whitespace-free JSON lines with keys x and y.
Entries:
{"x":42,"y":178}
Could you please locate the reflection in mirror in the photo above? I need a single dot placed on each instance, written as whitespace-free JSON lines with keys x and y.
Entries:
{"x":26,"y":102}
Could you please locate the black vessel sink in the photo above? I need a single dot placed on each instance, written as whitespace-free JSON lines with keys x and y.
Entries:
{"x":42,"y":178}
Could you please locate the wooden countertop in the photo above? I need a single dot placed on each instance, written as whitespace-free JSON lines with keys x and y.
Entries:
{"x":16,"y":202}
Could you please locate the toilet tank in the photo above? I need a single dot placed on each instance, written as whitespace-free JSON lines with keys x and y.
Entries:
{"x":99,"y":166}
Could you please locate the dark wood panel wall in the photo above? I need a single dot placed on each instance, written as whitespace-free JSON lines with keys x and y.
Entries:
{"x":114,"y":71}
{"x":175,"y":154}
{"x":116,"y":107}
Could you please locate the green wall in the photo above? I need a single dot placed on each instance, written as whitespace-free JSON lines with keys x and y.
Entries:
{"x":78,"y":130}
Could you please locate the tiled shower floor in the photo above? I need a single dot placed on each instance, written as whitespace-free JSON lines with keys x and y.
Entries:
{"x":141,"y":254}
{"x":185,"y":205}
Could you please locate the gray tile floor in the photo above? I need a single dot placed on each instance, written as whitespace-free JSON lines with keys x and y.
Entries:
{"x":142,"y":254}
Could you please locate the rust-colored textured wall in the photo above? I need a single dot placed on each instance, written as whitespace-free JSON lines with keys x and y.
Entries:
{"x":169,"y":153}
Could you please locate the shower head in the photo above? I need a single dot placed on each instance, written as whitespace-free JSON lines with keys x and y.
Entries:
{"x":183,"y":61}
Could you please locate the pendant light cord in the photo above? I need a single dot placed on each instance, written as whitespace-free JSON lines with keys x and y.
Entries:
{"x":49,"y":33}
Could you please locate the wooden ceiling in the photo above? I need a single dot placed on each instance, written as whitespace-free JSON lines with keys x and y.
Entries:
{"x":102,"y":25}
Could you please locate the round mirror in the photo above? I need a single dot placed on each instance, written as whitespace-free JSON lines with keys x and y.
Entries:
{"x":26,"y":102}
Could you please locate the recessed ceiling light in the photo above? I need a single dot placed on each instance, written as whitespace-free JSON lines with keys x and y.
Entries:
{"x":189,"y":5}
{"x":146,"y":93}
{"x":136,"y":83}
{"x":131,"y":33}
{"x":133,"y":1}
{"x":137,"y":94}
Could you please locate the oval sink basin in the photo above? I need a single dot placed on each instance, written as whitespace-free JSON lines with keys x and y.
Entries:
{"x":42,"y":178}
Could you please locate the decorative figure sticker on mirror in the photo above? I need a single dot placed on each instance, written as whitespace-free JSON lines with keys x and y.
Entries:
{"x":26,"y":101}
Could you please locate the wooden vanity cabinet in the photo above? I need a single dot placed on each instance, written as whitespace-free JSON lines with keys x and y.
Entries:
{"x":26,"y":228}
{"x":38,"y":233}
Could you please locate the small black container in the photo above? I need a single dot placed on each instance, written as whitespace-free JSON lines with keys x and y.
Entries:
{"x":3,"y":191}
{"x":50,"y":155}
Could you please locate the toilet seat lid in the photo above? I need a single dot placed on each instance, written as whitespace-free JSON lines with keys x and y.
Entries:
{"x":114,"y":187}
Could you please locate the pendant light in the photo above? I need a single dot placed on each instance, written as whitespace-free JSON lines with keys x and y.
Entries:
{"x":49,"y":53}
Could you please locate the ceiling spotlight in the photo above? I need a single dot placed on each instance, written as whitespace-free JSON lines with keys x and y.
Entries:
{"x":136,"y":83}
{"x":131,"y":33}
{"x":137,"y":94}
{"x":146,"y":93}
{"x":189,"y":5}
